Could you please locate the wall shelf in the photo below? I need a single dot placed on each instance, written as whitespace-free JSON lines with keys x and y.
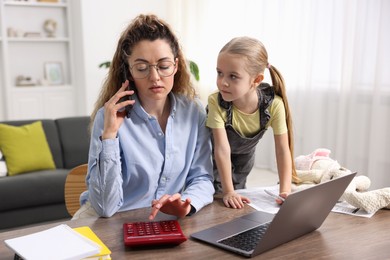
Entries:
{"x":37,"y":39}
{"x":27,"y":57}
{"x":35,"y":4}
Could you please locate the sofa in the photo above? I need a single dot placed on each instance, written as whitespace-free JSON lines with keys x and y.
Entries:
{"x":38,"y":196}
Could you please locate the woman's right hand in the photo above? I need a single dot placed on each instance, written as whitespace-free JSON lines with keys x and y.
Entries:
{"x":172,"y":205}
{"x":234,"y":200}
{"x":114,"y":113}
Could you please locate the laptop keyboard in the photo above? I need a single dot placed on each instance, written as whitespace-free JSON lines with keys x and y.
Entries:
{"x":246,"y":240}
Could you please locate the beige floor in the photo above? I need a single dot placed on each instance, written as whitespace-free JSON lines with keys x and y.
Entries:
{"x":261,"y":177}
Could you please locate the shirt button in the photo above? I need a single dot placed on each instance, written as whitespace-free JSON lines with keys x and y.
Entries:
{"x":159,"y":134}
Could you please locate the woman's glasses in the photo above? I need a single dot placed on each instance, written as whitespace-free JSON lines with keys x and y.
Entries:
{"x":141,"y":70}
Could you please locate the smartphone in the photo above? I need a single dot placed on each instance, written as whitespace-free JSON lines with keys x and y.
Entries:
{"x":126,"y":76}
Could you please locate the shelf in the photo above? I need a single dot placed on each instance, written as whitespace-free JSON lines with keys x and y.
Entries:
{"x":37,"y":39}
{"x":35,"y":4}
{"x":41,"y":88}
{"x":27,"y":56}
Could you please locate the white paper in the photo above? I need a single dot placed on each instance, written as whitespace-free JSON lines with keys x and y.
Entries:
{"x":346,"y":208}
{"x":60,"y":242}
{"x":261,"y":201}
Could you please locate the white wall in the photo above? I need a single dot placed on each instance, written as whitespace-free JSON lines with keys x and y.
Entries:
{"x":102,"y":22}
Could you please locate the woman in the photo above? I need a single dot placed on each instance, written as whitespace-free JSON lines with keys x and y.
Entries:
{"x":153,"y":148}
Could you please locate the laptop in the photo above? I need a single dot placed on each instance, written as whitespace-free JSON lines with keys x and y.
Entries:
{"x":301,"y":213}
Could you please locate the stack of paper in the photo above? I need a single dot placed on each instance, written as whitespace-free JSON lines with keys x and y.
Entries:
{"x":60,"y":242}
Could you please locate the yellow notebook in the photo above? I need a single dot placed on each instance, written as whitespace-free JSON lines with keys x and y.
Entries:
{"x":104,"y":252}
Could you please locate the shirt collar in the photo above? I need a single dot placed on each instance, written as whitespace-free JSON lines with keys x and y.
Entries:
{"x":140,"y":111}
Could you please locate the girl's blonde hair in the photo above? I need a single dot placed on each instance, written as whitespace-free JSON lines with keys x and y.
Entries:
{"x":257,"y":61}
{"x":143,"y":27}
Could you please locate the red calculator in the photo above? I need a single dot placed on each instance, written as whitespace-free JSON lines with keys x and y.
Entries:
{"x":165,"y":232}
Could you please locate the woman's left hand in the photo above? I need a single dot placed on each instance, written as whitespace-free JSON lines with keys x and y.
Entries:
{"x":172,"y":205}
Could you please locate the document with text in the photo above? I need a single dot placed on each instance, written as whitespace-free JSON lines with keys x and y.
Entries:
{"x":263,"y":201}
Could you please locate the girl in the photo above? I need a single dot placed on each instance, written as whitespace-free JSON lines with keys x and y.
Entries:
{"x":157,"y":151}
{"x":239,"y":114}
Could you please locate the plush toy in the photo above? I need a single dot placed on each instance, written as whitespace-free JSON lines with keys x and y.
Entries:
{"x":3,"y":166}
{"x":318,"y":167}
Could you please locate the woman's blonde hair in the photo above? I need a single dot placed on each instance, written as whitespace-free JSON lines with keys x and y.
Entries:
{"x":143,"y":27}
{"x":257,"y":61}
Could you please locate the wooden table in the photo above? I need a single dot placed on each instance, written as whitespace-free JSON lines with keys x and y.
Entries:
{"x":340,"y":237}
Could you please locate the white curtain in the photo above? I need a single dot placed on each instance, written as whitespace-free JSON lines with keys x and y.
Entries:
{"x":335,"y":58}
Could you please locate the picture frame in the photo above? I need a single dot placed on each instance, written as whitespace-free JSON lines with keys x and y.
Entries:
{"x":53,"y":73}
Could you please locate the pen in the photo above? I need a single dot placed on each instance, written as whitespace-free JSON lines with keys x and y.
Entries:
{"x":355,"y":210}
{"x":275,"y":196}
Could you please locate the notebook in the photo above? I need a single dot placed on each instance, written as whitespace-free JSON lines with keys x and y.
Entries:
{"x":302,"y":212}
{"x":140,"y":234}
{"x":105,"y":252}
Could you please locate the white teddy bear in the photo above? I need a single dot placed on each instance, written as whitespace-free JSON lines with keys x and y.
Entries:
{"x":3,"y":166}
{"x":318,"y":167}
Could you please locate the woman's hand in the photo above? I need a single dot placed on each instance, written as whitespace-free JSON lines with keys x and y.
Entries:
{"x":172,"y":205}
{"x":114,"y":112}
{"x":234,"y":200}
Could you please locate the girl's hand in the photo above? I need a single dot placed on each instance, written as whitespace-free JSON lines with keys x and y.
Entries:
{"x":283,"y":195}
{"x":114,"y":113}
{"x":234,"y":200}
{"x":172,"y":205}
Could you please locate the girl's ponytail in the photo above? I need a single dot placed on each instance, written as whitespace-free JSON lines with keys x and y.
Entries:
{"x":280,"y":90}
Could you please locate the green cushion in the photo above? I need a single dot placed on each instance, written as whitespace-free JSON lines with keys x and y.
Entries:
{"x":25,"y":148}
